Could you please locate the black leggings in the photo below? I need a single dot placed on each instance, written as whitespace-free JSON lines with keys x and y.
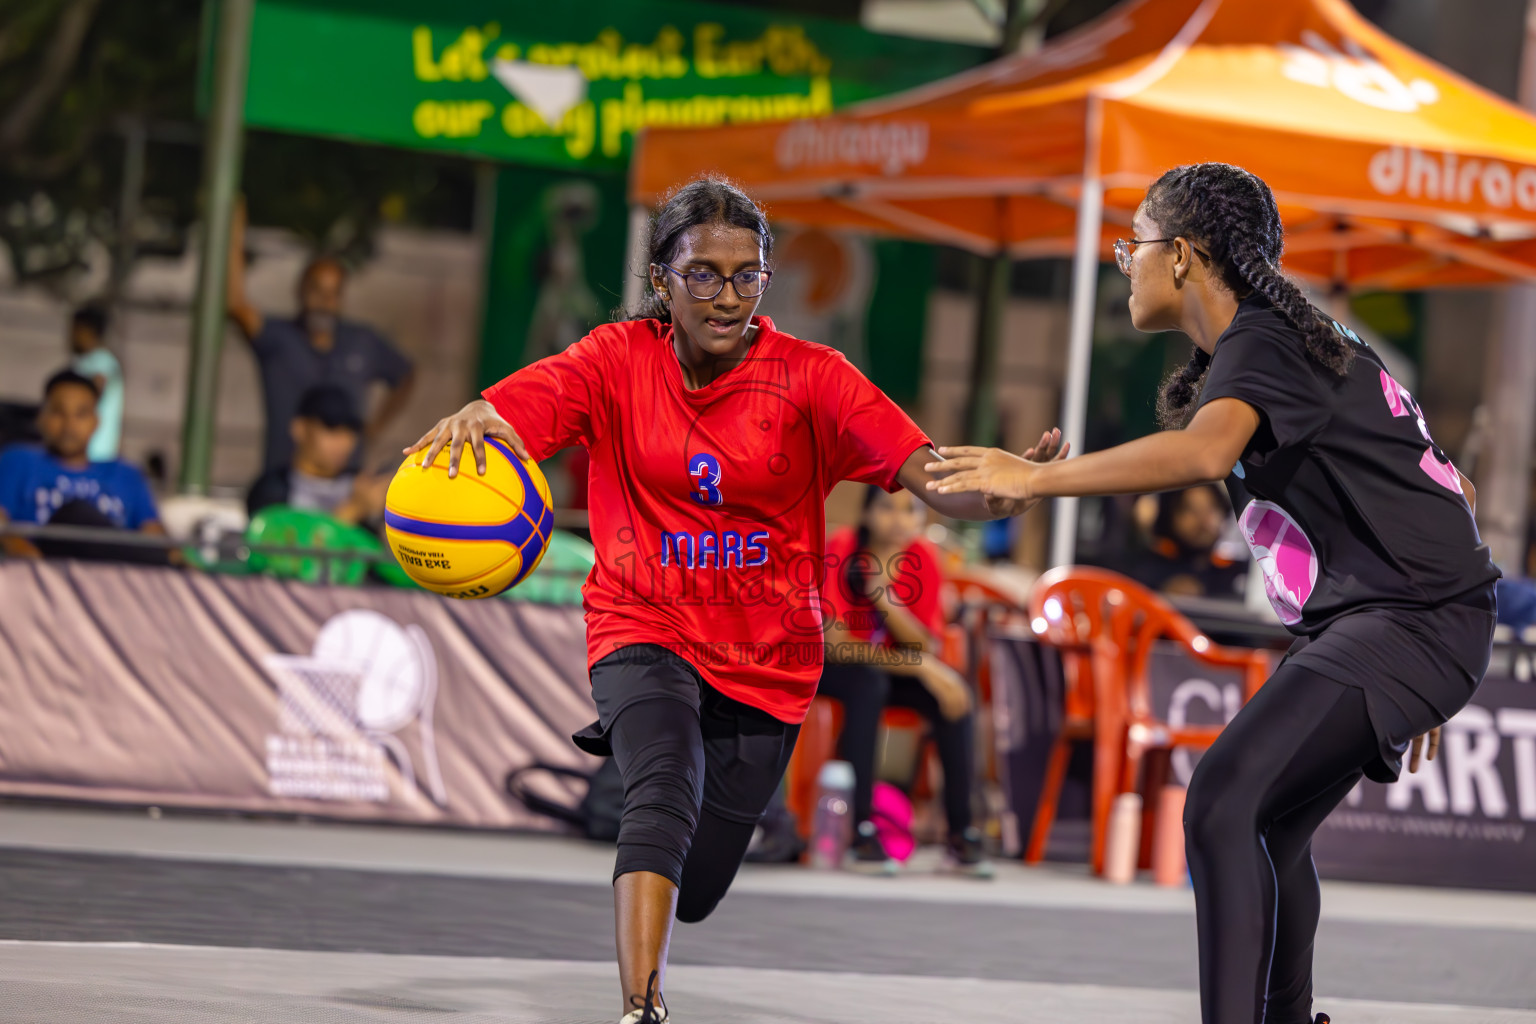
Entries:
{"x":1257,"y":796}
{"x":865,"y":691}
{"x":699,"y":770}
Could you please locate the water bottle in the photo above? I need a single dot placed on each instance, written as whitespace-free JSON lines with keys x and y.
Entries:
{"x":1122,"y":846}
{"x":832,"y":827}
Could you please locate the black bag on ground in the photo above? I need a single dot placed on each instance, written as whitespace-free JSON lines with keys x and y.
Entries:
{"x":599,"y":811}
{"x":776,"y":840}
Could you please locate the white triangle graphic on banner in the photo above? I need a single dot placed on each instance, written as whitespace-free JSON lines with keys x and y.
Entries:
{"x":547,"y":90}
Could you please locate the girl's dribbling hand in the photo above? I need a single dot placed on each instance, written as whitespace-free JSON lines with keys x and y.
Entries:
{"x":474,"y":423}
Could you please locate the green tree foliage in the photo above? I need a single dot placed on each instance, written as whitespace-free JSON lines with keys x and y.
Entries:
{"x":72,"y":72}
{"x":75,"y":75}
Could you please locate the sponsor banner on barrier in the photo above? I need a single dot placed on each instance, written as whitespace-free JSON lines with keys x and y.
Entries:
{"x":1467,"y":818}
{"x":151,"y":686}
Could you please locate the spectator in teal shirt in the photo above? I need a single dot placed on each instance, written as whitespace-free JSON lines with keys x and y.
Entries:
{"x":92,"y":359}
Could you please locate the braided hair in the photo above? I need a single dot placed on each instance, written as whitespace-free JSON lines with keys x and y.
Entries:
{"x":1234,"y":214}
{"x":702,"y":201}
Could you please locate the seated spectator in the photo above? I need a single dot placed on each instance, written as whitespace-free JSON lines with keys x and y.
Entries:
{"x":92,"y":358}
{"x":881,"y":607}
{"x":57,"y":483}
{"x":325,"y":434}
{"x":1183,"y":558}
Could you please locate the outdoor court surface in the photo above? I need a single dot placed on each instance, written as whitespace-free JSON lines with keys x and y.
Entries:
{"x":115,"y":917}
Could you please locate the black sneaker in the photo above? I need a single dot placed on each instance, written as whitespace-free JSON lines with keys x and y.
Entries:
{"x":968,"y":854}
{"x":868,"y":852}
{"x":1323,"y":1018}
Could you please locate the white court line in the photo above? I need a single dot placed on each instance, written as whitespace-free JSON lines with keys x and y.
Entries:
{"x":84,"y":976}
{"x":555,"y":859}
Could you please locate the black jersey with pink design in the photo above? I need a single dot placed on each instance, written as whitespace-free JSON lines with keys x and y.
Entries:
{"x":1344,"y":498}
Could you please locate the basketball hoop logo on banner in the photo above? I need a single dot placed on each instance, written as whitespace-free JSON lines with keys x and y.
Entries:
{"x":1356,"y":74}
{"x":342,"y":706}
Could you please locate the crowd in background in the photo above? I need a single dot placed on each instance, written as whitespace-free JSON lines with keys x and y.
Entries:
{"x":331,"y":385}
{"x":318,"y":372}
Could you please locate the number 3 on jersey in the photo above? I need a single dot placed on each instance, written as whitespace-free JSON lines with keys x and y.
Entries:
{"x":705,"y":470}
{"x":1434,"y":463}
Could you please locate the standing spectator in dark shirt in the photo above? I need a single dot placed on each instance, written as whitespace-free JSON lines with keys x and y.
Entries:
{"x":324,"y":433}
{"x":316,"y":347}
{"x":1183,"y":557}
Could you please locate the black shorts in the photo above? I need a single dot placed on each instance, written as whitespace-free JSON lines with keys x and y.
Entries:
{"x":745,"y":749}
{"x":1417,"y":666}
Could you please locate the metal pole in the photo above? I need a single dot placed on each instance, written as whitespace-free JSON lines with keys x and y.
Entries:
{"x":487,"y":194}
{"x":1074,"y":417}
{"x":1017,"y":17}
{"x":135,"y":141}
{"x":221,"y":179}
{"x":634,"y":249}
{"x":992,"y":288}
{"x":1504,"y":470}
{"x":991,"y":298}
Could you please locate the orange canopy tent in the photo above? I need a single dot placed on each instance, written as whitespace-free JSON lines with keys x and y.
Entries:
{"x":1391,"y":172}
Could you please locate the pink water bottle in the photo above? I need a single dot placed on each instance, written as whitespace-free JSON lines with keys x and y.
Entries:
{"x":832,"y":826}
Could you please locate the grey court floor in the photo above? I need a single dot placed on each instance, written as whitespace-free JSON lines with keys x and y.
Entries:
{"x":114,"y":917}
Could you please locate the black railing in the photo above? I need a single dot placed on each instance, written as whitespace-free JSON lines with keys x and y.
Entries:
{"x":230,"y":547}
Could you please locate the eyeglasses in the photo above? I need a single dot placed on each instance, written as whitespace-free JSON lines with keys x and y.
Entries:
{"x":1124,"y":247}
{"x":706,"y":284}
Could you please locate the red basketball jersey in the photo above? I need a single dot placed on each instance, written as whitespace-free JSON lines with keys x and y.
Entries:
{"x":708,"y":507}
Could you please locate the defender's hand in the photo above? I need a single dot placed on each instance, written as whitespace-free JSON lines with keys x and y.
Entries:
{"x":989,"y":471}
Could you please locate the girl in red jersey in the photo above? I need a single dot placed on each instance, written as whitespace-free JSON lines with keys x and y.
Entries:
{"x":714,"y":441}
{"x":885,"y":596}
{"x":1365,"y":534}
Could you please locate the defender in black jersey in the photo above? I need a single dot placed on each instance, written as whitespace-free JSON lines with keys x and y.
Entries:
{"x":1365,"y":534}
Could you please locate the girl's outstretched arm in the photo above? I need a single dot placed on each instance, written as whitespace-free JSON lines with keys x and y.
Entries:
{"x":1203,"y":452}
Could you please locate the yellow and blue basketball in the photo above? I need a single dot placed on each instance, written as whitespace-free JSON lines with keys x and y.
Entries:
{"x":472,"y":535}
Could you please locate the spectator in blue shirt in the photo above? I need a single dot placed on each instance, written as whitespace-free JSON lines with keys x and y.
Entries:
{"x":58,"y":483}
{"x":318,"y":346}
{"x":92,"y":358}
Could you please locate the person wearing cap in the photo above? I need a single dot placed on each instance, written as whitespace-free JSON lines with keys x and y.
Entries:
{"x":325,"y":435}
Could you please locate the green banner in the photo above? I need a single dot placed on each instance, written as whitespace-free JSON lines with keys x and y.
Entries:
{"x":559,"y":84}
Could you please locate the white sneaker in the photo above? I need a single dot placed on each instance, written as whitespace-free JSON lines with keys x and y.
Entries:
{"x":638,"y":1017}
{"x":654,"y":1010}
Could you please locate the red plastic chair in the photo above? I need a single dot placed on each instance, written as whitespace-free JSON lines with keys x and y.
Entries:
{"x":824,"y":724}
{"x":1105,"y":627}
{"x":985,"y":603}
